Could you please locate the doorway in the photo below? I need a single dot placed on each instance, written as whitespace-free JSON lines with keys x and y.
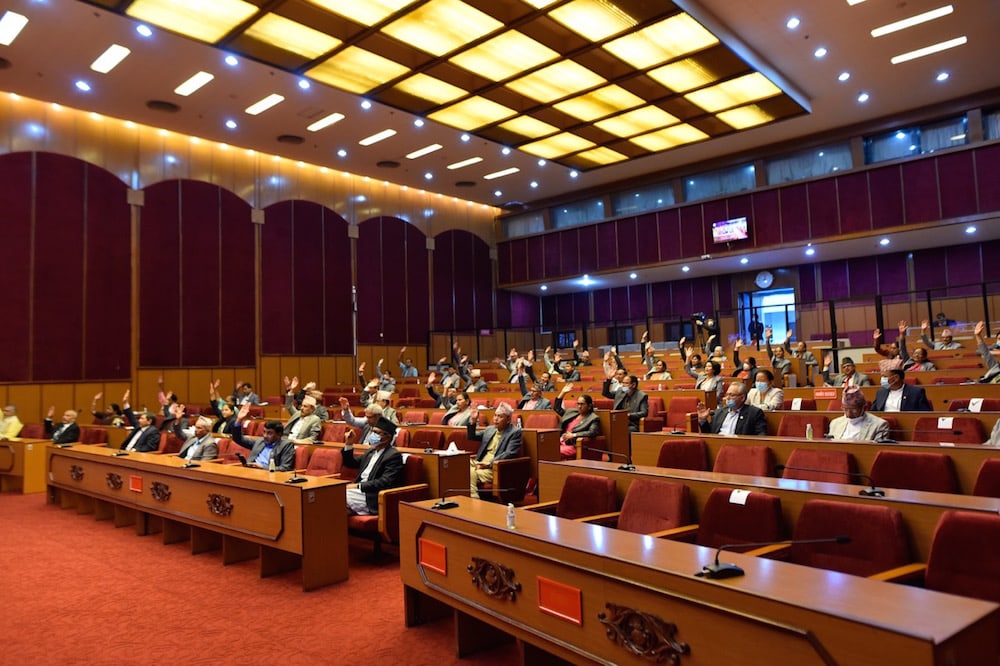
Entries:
{"x":774,"y":308}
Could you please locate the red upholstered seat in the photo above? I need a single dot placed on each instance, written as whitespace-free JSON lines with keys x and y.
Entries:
{"x":738,"y":459}
{"x":794,"y":425}
{"x":683,"y":453}
{"x":755,"y":518}
{"x":91,"y":435}
{"x":510,"y":477}
{"x":603,"y":403}
{"x":461,"y":440}
{"x":384,"y":528}
{"x":963,"y":558}
{"x":435,"y":417}
{"x":302,"y":455}
{"x":409,"y":392}
{"x":33,"y":431}
{"x":256,"y":412}
{"x":325,"y":460}
{"x":878,"y":537}
{"x":805,"y":404}
{"x":988,"y":479}
{"x":677,"y":412}
{"x":836,"y":466}
{"x":422,"y":438}
{"x":653,"y":505}
{"x":930,"y":472}
{"x":586,"y":495}
{"x":657,"y":415}
{"x":963,"y":430}
{"x":402,"y":438}
{"x":481,"y":402}
{"x":988,"y":404}
{"x":169,"y":443}
{"x":337,"y":432}
{"x":228,"y":449}
{"x":540,"y":420}
{"x":415,"y":416}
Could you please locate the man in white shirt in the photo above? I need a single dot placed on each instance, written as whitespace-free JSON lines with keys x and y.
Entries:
{"x":198,"y":441}
{"x":380,"y":468}
{"x":895,"y":395}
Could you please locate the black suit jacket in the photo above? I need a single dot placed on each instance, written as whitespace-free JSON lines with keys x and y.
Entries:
{"x":751,"y":421}
{"x":147,"y":441}
{"x":71,"y":433}
{"x":387,"y":473}
{"x":914,"y":399}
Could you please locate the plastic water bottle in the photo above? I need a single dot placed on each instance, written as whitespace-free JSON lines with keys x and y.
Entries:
{"x":270,"y":464}
{"x":809,"y":431}
{"x":511,"y":517}
{"x":520,"y":422}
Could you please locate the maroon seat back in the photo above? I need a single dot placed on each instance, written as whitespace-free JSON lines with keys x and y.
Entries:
{"x":963,"y":430}
{"x":409,"y":392}
{"x":794,"y":425}
{"x":652,"y":505}
{"x":878,"y":537}
{"x":403,"y":438}
{"x":461,"y":440}
{"x":422,"y":438}
{"x":988,"y":479}
{"x":805,"y":404}
{"x":413,"y":470}
{"x":302,"y":455}
{"x":325,"y":460}
{"x":415,"y":416}
{"x":834,"y":466}
{"x":603,"y":403}
{"x":683,"y":453}
{"x":929,"y":472}
{"x":228,"y":449}
{"x":33,"y":431}
{"x":170,"y":443}
{"x":737,"y":459}
{"x":988,"y":404}
{"x":963,"y":557}
{"x":541,"y":420}
{"x":92,"y":435}
{"x":586,"y":495}
{"x":751,"y":518}
{"x":677,"y":410}
{"x":435,"y":417}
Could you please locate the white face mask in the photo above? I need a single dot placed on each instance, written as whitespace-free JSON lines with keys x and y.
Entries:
{"x":762,"y":386}
{"x":885,"y":382}
{"x":857,"y":421}
{"x":374,"y":439}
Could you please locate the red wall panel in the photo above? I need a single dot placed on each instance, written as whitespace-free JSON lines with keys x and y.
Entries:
{"x":794,"y":213}
{"x":628,"y":252}
{"x":852,"y":197}
{"x":444,"y":295}
{"x":823,"y":213}
{"x":602,"y":306}
{"x":159,"y":276}
{"x":199,"y":282}
{"x":668,"y":229}
{"x":988,"y":177}
{"x":418,"y":294}
{"x":637,"y":302}
{"x":834,"y":280}
{"x":503,"y":262}
{"x":306,"y":298}
{"x":588,"y":250}
{"x":920,"y":192}
{"x":957,"y":184}
{"x":553,"y":254}
{"x":569,"y":249}
{"x":619,"y":303}
{"x":886,"y":189}
{"x":646,"y":239}
{"x":692,"y":232}
{"x":607,"y":246}
{"x":536,"y":259}
{"x":392,"y":300}
{"x":15,"y":227}
{"x":276,"y":280}
{"x":765,"y":224}
{"x":237,"y":236}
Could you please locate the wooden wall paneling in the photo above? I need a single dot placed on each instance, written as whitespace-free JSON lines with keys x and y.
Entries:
{"x":885,"y":191}
{"x":809,"y":324}
{"x":345,"y":370}
{"x":28,"y":400}
{"x":196,"y":386}
{"x":855,"y":318}
{"x":15,"y":227}
{"x":957,"y":184}
{"x":921,"y":198}
{"x":60,"y":395}
{"x":178,"y":380}
{"x":145,"y":389}
{"x":326,"y":371}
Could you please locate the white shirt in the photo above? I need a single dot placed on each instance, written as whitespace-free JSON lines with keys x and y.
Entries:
{"x":138,"y":435}
{"x":852,"y":431}
{"x":894,"y":401}
{"x":729,"y":423}
{"x":371,"y":465}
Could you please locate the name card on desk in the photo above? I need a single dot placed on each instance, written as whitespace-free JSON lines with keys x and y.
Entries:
{"x":975,"y":405}
{"x":945,"y":422}
{"x":827,"y":393}
{"x":739,"y":496}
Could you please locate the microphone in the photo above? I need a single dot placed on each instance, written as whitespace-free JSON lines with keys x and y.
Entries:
{"x":444,"y":503}
{"x":243,"y":459}
{"x":867,"y":492}
{"x":189,"y":464}
{"x":295,"y":478}
{"x":719,"y":570}
{"x":677,"y":429}
{"x":626,"y":466}
{"x":118,"y":454}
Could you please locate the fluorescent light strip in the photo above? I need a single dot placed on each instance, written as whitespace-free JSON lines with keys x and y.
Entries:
{"x":426,"y":150}
{"x":192,"y":84}
{"x":928,"y":50}
{"x":325,"y":122}
{"x":11,"y":25}
{"x":912,"y":21}
{"x":500,"y":174}
{"x":465,"y":163}
{"x":264,"y":104}
{"x":375,"y":138}
{"x":854,"y":2}
{"x":110,"y":59}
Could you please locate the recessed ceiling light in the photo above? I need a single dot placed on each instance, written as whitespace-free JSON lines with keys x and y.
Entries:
{"x":685,"y":268}
{"x":501,"y":174}
{"x":792,"y":23}
{"x":497,"y":193}
{"x":378,"y":136}
{"x":465,"y":138}
{"x":632,"y":276}
{"x":542,"y":163}
{"x":863,"y":97}
{"x":820,"y":52}
{"x":971,"y":229}
{"x":534,"y":184}
{"x":365,"y":104}
{"x":744,"y":261}
{"x":426,"y":150}
{"x":942,"y":76}
{"x":325,"y":121}
{"x":231,"y":124}
{"x":928,"y":50}
{"x":11,"y":24}
{"x":810,"y":251}
{"x":574,"y":173}
{"x":231,"y":60}
{"x":341,"y":153}
{"x":844,"y":76}
{"x":144,"y":30}
{"x":108,"y":60}
{"x":544,"y":287}
{"x":419,"y":122}
{"x":821,"y":153}
{"x":264,"y":104}
{"x":304,"y":84}
{"x":428,"y":176}
{"x":883,"y":242}
{"x":505,"y":150}
{"x":585,"y":280}
{"x":193,"y":84}
{"x":82,"y":85}
{"x":912,"y":21}
{"x":854,"y":2}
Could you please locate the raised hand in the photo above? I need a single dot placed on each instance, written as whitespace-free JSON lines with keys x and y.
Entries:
{"x":737,"y":344}
{"x":576,"y":344}
{"x":309,"y":387}
{"x":704,"y":413}
{"x":567,"y":387}
{"x":361,"y":368}
{"x":431,"y":378}
{"x":98,"y":395}
{"x":877,"y":333}
{"x":768,"y":333}
{"x":402,"y":350}
{"x":381,"y":361}
{"x":903,"y":325}
{"x":51,"y":412}
{"x":344,"y":403}
{"x":925,"y":326}
{"x":442,"y":360}
{"x":294,"y":384}
{"x":980,"y":329}
{"x":128,"y":392}
{"x":244,"y":411}
{"x":177,"y":409}
{"x":287,"y":382}
{"x":216,"y":383}
{"x":827,"y":360}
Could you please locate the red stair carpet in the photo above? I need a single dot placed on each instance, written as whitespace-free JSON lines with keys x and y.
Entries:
{"x":77,"y":591}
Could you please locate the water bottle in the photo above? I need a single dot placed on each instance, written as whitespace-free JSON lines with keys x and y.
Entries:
{"x":510,"y":517}
{"x":520,"y":422}
{"x":659,"y":387}
{"x":270,"y":464}
{"x":809,"y":431}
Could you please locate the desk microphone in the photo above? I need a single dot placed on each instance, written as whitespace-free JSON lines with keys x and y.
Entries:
{"x":942,"y":431}
{"x":626,"y":466}
{"x":444,"y":503}
{"x":295,"y":478}
{"x":867,"y":492}
{"x":678,"y":429}
{"x":189,"y":464}
{"x":118,"y":454}
{"x":724,"y":570}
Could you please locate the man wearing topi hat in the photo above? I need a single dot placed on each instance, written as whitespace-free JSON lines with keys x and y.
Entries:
{"x":856,"y":423}
{"x":848,"y":375}
{"x":380,"y":468}
{"x":476,"y":383}
{"x":499,"y":441}
{"x":304,"y":426}
{"x":198,"y":441}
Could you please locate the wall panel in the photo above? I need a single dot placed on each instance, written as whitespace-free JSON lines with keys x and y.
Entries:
{"x":646,"y":239}
{"x":277,"y":279}
{"x":920,"y":192}
{"x":15,"y":227}
{"x":988,"y":177}
{"x":628,"y":252}
{"x":199,"y":283}
{"x":607,"y":246}
{"x":692,"y":232}
{"x":668,"y":230}
{"x":853,"y":201}
{"x":886,"y":191}
{"x":159,"y":259}
{"x":957,"y":184}
{"x":766,"y":221}
{"x":794,"y":213}
{"x":823,"y":213}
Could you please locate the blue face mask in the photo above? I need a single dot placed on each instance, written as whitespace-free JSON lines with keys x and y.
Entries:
{"x":885,"y":381}
{"x":374,"y":439}
{"x":762,"y":386}
{"x":730,"y":403}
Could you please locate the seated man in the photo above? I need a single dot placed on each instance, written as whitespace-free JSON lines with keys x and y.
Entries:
{"x":384,"y":400}
{"x":575,"y":423}
{"x":856,"y":423}
{"x":10,"y":425}
{"x":992,"y":375}
{"x":67,"y":431}
{"x":304,"y":427}
{"x":372,"y":414}
{"x":272,"y":446}
{"x":531,"y":399}
{"x":895,"y":395}
{"x":630,"y":399}
{"x":946,"y":342}
{"x":500,"y":441}
{"x":406,"y":367}
{"x":144,"y":436}
{"x":847,"y":377}
{"x":446,"y":398}
{"x":243,"y":394}
{"x":736,"y":418}
{"x":380,"y":468}
{"x":476,"y":383}
{"x":198,"y":441}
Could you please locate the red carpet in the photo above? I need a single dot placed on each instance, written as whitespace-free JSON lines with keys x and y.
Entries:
{"x":77,"y":591}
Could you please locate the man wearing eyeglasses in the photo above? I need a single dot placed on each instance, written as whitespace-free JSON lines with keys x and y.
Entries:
{"x":735,"y":417}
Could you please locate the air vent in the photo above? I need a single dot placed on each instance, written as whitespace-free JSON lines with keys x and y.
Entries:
{"x":161,"y":105}
{"x":465,"y":183}
{"x":387,"y":164}
{"x":293,"y":139}
{"x":513,"y":206}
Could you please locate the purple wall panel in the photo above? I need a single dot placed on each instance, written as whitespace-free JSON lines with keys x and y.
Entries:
{"x":505,"y":308}
{"x":524,"y":310}
{"x":581,"y":308}
{"x":835,"y":281}
{"x":199,"y":274}
{"x":703,"y":294}
{"x":461,"y":279}
{"x":692,"y":232}
{"x":863,"y":274}
{"x":628,"y":252}
{"x":742,"y":206}
{"x":619,"y":303}
{"x":682,"y":300}
{"x":602,"y":305}
{"x":668,"y":229}
{"x":957,"y":184}
{"x":564,"y":311}
{"x":965,"y":266}
{"x":484,"y":283}
{"x":569,"y":248}
{"x":713,"y":211}
{"x":15,"y":228}
{"x":765,"y":225}
{"x":503,"y":262}
{"x":536,"y":259}
{"x":648,"y":244}
{"x":588,"y":250}
{"x":724,"y":288}
{"x":107,"y":329}
{"x":852,"y":197}
{"x":638,"y":302}
{"x":369,"y":253}
{"x":236,"y":270}
{"x":886,"y":191}
{"x":58,"y":270}
{"x":794,"y":213}
{"x":159,"y":258}
{"x":920,"y":192}
{"x":662,"y":301}
{"x":892,"y":277}
{"x":444,"y":303}
{"x":418,"y":295}
{"x":276,"y":280}
{"x":988,"y":177}
{"x":807,"y":283}
{"x":306,"y":299}
{"x":519,"y":259}
{"x":930,"y":268}
{"x":823,"y":213}
{"x":991,"y":269}
{"x":550,"y":312}
{"x":607,"y":246}
{"x":553,"y":254}
{"x":392,"y":300}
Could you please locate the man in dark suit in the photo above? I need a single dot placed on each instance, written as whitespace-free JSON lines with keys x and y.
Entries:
{"x":500,"y":441}
{"x":630,"y":399}
{"x":736,"y":417}
{"x":895,"y":395}
{"x":263,"y":449}
{"x":66,"y":432}
{"x":380,"y":468}
{"x":144,"y":436}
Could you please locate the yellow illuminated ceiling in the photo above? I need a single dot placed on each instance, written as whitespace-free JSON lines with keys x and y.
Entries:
{"x":585,"y":83}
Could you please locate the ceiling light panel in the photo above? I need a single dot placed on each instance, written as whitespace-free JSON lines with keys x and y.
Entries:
{"x":671,"y":137}
{"x":473,"y":113}
{"x":441,"y":26}
{"x":556,"y":81}
{"x":110,"y":59}
{"x":365,"y":12}
{"x":356,"y":70}
{"x":599,"y":103}
{"x":734,"y":92}
{"x":378,"y":136}
{"x":928,"y":50}
{"x":635,"y":122}
{"x":431,"y":89}
{"x":912,"y":21}
{"x":193,"y":84}
{"x":682,"y":76}
{"x":325,"y":122}
{"x":11,"y":25}
{"x":529,"y":127}
{"x":293,"y":37}
{"x":263,"y":105}
{"x":557,"y":146}
{"x":745,"y":117}
{"x":672,"y":38}
{"x":501,"y":173}
{"x":426,"y":150}
{"x":465,"y":163}
{"x":593,"y":19}
{"x":599,"y":157}
{"x":493,"y":60}
{"x":207,"y":20}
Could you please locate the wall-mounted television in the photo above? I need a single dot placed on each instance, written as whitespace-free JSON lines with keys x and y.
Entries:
{"x":728,"y":231}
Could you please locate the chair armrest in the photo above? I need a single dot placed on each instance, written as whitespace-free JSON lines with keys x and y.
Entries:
{"x":903,"y":574}
{"x":388,"y":507}
{"x":609,"y":519}
{"x":683,"y":533}
{"x":778,"y":551}
{"x":651,"y":424}
{"x":511,"y":473}
{"x":544,"y":507}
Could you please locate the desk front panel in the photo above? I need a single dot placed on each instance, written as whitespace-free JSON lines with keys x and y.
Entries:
{"x":22,"y":465}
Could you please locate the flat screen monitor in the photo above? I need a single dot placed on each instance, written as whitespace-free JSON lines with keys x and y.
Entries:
{"x":727,"y":231}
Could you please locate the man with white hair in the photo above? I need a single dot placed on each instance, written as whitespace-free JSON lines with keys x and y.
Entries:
{"x":304,"y":426}
{"x":946,"y":341}
{"x":67,"y":431}
{"x":384,"y":400}
{"x":499,"y":441}
{"x":198,"y":441}
{"x":373,"y":413}
{"x":10,"y":425}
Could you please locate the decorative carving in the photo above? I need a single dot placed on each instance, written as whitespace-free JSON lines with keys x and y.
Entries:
{"x":76,"y":472}
{"x":494,"y":579}
{"x":160,"y":491}
{"x":114,"y":481}
{"x":220,"y":505}
{"x":642,"y":634}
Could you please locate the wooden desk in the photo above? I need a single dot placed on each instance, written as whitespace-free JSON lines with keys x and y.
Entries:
{"x":967,"y":459}
{"x":920,"y":510}
{"x":22,"y":465}
{"x":443,"y":471}
{"x":906,"y":422}
{"x":249,"y":513}
{"x":940,"y":395}
{"x":550,"y":583}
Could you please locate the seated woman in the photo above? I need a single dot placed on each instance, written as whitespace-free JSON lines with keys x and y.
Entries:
{"x":659,"y":372}
{"x":575,"y":423}
{"x":709,"y":380}
{"x":461,"y":413}
{"x":764,"y":393}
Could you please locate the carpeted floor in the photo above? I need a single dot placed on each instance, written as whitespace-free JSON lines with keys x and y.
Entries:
{"x":77,"y":591}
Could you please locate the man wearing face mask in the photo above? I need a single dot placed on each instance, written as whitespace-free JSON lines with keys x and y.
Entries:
{"x":856,"y":423}
{"x":272,"y":446}
{"x":736,"y":418}
{"x":380,"y":468}
{"x":764,"y":394}
{"x":895,"y":395}
{"x":372,"y":414}
{"x":499,"y":442}
{"x":630,"y":399}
